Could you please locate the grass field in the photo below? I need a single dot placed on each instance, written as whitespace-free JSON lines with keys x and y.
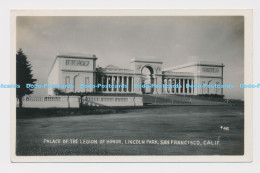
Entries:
{"x":169,"y":123}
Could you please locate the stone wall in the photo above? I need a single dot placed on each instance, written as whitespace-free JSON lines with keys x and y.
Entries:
{"x":74,"y":101}
{"x":112,"y":101}
{"x":50,"y":102}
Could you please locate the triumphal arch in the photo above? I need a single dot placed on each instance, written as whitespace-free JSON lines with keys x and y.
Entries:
{"x":147,"y":72}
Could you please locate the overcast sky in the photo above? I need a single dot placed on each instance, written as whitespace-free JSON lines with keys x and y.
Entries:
{"x":116,"y":40}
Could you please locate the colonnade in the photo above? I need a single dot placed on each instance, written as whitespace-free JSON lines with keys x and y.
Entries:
{"x":178,"y":82}
{"x":117,"y":81}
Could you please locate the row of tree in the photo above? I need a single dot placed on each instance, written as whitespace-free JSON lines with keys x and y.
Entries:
{"x":23,"y":76}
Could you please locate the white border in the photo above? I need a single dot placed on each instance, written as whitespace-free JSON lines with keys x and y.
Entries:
{"x":248,"y":16}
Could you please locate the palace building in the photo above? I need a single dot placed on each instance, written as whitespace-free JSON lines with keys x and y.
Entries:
{"x":76,"y":69}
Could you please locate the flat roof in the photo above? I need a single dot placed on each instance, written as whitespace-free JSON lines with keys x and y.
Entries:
{"x":196,"y":63}
{"x":77,"y":55}
{"x":146,"y":60}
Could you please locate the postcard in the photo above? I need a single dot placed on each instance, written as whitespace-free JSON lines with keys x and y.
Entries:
{"x":110,"y":85}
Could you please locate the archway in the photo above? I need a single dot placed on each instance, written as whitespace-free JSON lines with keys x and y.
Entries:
{"x":147,"y":79}
{"x":210,"y":89}
{"x":76,"y":83}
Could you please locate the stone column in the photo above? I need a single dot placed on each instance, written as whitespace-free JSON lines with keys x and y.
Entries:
{"x":127,"y":83}
{"x":168,"y":83}
{"x":171,"y":85}
{"x":177,"y":92}
{"x":187,"y":82}
{"x":102,"y":83}
{"x":123,"y":83}
{"x":182,"y":82}
{"x":190,"y":84}
{"x":188,"y":89}
{"x":183,"y":91}
{"x":155,"y":83}
{"x":165,"y":83}
{"x":174,"y":91}
{"x":113,"y":83}
{"x":140,"y":83}
{"x":107,"y":83}
{"x":184,"y":86}
{"x":179,"y":82}
{"x":117,"y":83}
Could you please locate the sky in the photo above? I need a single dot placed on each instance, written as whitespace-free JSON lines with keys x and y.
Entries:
{"x":117,"y":40}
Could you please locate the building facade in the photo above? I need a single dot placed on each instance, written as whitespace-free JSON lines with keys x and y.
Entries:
{"x":78,"y":69}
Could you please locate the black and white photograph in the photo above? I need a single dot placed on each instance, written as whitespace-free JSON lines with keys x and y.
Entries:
{"x":131,"y":84}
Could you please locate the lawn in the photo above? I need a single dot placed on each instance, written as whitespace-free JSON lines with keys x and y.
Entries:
{"x":167,"y":130}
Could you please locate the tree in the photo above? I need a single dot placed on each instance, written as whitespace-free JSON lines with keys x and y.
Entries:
{"x":23,"y":76}
{"x":58,"y":92}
